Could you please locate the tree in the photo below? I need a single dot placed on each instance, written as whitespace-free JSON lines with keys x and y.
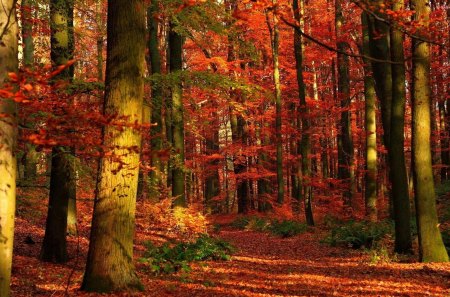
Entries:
{"x":399,"y":178}
{"x":62,"y":179}
{"x":431,"y":247}
{"x":156,"y":104}
{"x":178,"y":168}
{"x":8,"y":127}
{"x":304,"y":147}
{"x":275,"y":36}
{"x":109,"y":265}
{"x":370,"y":125}
{"x":345,"y":142}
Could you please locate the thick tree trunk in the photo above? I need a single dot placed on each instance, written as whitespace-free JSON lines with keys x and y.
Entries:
{"x":370,"y":197}
{"x":431,"y":247}
{"x":398,"y":175}
{"x":8,"y":126}
{"x":62,"y":179}
{"x":109,"y":265}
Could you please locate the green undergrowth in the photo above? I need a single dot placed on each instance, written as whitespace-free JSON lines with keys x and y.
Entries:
{"x":283,"y":228}
{"x":357,"y":234}
{"x":176,"y":256}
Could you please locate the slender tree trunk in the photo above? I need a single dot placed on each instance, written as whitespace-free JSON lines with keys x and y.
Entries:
{"x":62,"y":179}
{"x":382,"y":73}
{"x":100,"y":58}
{"x":345,"y":142}
{"x":8,"y":126}
{"x":398,"y":175}
{"x":31,"y":156}
{"x":304,"y":147}
{"x":371,"y":131}
{"x":109,"y":265}
{"x":431,"y":247}
{"x":156,"y":175}
{"x":178,"y":168}
{"x":274,"y":35}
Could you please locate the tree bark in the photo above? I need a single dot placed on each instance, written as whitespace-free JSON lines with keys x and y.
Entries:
{"x":345,"y":142}
{"x":431,"y":247}
{"x":178,"y":168}
{"x":304,"y":147}
{"x":371,"y":131}
{"x":8,"y":126}
{"x":399,"y":176}
{"x":156,"y":132}
{"x":109,"y":265}
{"x":62,"y":179}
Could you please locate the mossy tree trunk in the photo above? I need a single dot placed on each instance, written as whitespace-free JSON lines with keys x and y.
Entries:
{"x":109,"y":265}
{"x":370,"y":197}
{"x":431,"y":247}
{"x":399,"y":176}
{"x":62,"y":179}
{"x":8,"y":126}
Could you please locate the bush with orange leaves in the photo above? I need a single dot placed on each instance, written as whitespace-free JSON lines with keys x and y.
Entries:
{"x":184,"y":223}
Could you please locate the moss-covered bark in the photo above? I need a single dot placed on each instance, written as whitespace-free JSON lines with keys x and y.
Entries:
{"x":109,"y":265}
{"x":431,"y":247}
{"x":8,"y":126}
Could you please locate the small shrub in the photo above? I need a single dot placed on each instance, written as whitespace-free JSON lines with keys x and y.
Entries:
{"x":357,"y":234}
{"x":257,"y":224}
{"x":170,"y":259}
{"x":240,"y":223}
{"x":381,"y":255}
{"x":287,"y":228}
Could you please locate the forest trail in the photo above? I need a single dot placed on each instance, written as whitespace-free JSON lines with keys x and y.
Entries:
{"x":264,"y":265}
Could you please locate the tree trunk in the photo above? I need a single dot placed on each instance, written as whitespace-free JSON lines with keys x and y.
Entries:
{"x":431,"y":247}
{"x":156,"y":175}
{"x":371,"y":131}
{"x":178,"y":168}
{"x":398,"y":175}
{"x":304,"y":147}
{"x":278,"y":105}
{"x":8,"y":126}
{"x":62,"y":179}
{"x":345,"y":143}
{"x":382,"y":74}
{"x":109,"y":265}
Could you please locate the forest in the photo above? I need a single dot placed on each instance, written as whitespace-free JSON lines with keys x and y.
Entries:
{"x":224,"y":148}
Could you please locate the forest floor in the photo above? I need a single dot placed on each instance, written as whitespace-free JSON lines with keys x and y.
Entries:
{"x":264,"y":265}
